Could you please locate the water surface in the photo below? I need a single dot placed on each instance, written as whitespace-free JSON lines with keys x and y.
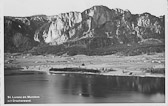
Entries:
{"x":78,"y":88}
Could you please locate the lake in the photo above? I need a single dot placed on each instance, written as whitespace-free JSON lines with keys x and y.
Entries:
{"x":37,"y":88}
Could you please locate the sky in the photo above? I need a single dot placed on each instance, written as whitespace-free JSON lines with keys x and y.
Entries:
{"x":54,"y":7}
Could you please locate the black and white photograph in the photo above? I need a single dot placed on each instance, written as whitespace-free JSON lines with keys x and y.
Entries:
{"x":83,"y":52}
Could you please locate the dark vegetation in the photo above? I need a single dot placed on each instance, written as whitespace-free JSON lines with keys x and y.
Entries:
{"x":75,"y":70}
{"x":127,"y":50}
{"x":19,"y":32}
{"x":155,"y":70}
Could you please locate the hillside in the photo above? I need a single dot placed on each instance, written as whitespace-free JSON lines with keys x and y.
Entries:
{"x":98,"y":30}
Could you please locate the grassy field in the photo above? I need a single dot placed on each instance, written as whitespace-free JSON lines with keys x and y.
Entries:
{"x":140,"y":65}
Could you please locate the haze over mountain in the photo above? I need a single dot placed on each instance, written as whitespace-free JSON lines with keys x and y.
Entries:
{"x":98,"y":30}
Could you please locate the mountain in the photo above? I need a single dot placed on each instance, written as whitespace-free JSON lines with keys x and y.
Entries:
{"x":97,"y":30}
{"x":19,"y":32}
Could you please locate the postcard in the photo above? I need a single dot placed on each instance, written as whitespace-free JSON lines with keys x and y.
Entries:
{"x":83,"y":52}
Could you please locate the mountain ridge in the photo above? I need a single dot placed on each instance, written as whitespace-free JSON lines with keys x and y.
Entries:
{"x":98,"y":26}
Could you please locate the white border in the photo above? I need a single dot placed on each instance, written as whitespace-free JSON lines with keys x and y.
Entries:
{"x":107,"y":104}
{"x":1,"y":54}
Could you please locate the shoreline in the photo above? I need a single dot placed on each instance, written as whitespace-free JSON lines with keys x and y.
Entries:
{"x":28,"y":72}
{"x":105,"y":74}
{"x":109,"y":65}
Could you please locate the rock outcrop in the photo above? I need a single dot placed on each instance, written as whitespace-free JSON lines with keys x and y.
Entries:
{"x":56,"y":33}
{"x":100,"y":21}
{"x":96,"y":27}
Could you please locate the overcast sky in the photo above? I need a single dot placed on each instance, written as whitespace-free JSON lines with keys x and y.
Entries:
{"x":54,"y":7}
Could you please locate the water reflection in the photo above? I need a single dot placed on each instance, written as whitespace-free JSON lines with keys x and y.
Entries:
{"x":102,"y":86}
{"x":77,"y":88}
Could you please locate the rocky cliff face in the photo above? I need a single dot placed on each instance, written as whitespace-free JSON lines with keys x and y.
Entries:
{"x":100,"y":21}
{"x":96,"y":27}
{"x":56,"y":33}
